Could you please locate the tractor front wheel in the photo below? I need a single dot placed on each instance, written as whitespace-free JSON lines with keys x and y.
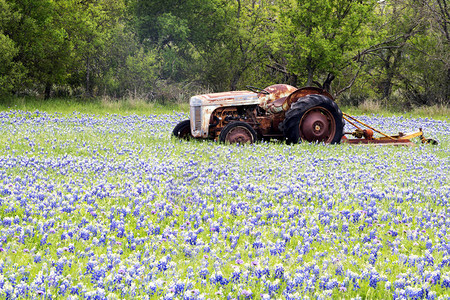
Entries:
{"x":183,"y":130}
{"x":313,"y":118}
{"x":237,"y":132}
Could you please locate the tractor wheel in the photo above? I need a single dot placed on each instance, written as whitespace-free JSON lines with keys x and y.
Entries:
{"x":313,"y":118}
{"x":183,"y":130}
{"x":237,"y":132}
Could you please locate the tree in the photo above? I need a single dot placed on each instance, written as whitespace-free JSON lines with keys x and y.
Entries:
{"x":11,"y":71}
{"x":412,"y":60}
{"x":91,"y":24}
{"x":244,"y":40}
{"x":318,"y":37}
{"x":399,"y":22}
{"x":437,"y":47}
{"x":42,"y":44}
{"x":179,"y":31}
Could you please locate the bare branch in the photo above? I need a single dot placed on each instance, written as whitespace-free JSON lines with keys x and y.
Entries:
{"x":275,"y":68}
{"x":350,"y":84}
{"x":385,"y":45}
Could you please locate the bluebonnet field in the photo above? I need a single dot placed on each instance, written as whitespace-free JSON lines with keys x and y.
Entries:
{"x":95,"y":207}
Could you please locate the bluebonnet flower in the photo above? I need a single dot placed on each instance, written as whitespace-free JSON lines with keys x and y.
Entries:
{"x":179,"y":288}
{"x":414,"y":293}
{"x":235,"y":276}
{"x":204,"y":273}
{"x":258,"y":272}
{"x":162,"y":265}
{"x":445,"y":281}
{"x":400,"y":283}
{"x":339,"y":270}
{"x":43,"y":240}
{"x":432,"y":295}
{"x":272,"y":287}
{"x":333,"y":283}
{"x":373,"y":280}
{"x":37,"y":258}
{"x":246,"y":293}
{"x":243,"y":205}
{"x":218,"y":278}
{"x":257,"y":245}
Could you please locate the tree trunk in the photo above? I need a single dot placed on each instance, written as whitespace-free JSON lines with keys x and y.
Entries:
{"x":447,"y":90}
{"x":235,"y":80}
{"x":327,"y":83}
{"x":386,"y":85}
{"x":391,"y":72}
{"x":88,"y":83}
{"x":293,"y":79}
{"x":310,"y":69}
{"x":48,"y":89}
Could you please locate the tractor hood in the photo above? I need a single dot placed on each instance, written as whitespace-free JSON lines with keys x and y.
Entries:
{"x":225,"y":99}
{"x":202,"y":106}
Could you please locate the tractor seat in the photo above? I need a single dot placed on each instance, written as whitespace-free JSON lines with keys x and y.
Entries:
{"x":274,"y":97}
{"x":276,"y":106}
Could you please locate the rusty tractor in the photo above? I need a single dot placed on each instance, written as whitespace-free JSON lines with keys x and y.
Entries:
{"x":281,"y":112}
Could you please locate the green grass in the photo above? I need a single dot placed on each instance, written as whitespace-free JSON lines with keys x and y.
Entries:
{"x":438,"y":112}
{"x":102,"y":106}
{"x":98,"y":106}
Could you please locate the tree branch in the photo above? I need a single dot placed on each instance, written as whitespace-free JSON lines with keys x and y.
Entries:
{"x":350,"y":84}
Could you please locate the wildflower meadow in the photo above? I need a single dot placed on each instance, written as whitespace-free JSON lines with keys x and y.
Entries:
{"x":113,"y":207}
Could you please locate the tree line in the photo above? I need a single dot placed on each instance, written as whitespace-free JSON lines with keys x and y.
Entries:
{"x":395,"y":51}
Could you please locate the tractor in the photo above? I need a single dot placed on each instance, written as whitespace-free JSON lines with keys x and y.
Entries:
{"x":281,"y":112}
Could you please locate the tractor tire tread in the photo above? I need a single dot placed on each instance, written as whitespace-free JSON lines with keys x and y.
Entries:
{"x":290,"y":125}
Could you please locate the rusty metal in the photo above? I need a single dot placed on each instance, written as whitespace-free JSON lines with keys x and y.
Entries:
{"x":409,"y":135}
{"x":299,"y":93}
{"x":203,"y":107}
{"x":368,"y":134}
{"x":263,"y":111}
{"x":396,"y":142}
{"x":428,"y":141}
{"x":269,"y":125}
{"x":239,"y":134}
{"x":265,"y":124}
{"x":224,"y":115}
{"x":276,"y":94}
{"x":359,"y":133}
{"x":365,"y":136}
{"x":234,"y":96}
{"x":317,"y":125}
{"x":368,"y":126}
{"x":219,"y":118}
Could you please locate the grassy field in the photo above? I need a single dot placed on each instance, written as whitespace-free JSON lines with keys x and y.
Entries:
{"x":92,"y":106}
{"x":141,"y":107}
{"x":100,"y":202}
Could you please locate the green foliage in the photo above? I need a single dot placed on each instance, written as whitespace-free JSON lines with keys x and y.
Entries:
{"x":140,"y":71}
{"x":393,"y":50}
{"x":92,"y":26}
{"x":180,"y":31}
{"x":317,"y":37}
{"x":245,"y":41}
{"x":42,"y":42}
{"x":11,"y":72}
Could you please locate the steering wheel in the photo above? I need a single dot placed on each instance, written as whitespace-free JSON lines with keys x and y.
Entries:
{"x":257,"y":90}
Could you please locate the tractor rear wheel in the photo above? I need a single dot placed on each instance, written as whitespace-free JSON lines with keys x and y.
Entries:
{"x":314,"y":118}
{"x":183,"y":130}
{"x":237,"y":132}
